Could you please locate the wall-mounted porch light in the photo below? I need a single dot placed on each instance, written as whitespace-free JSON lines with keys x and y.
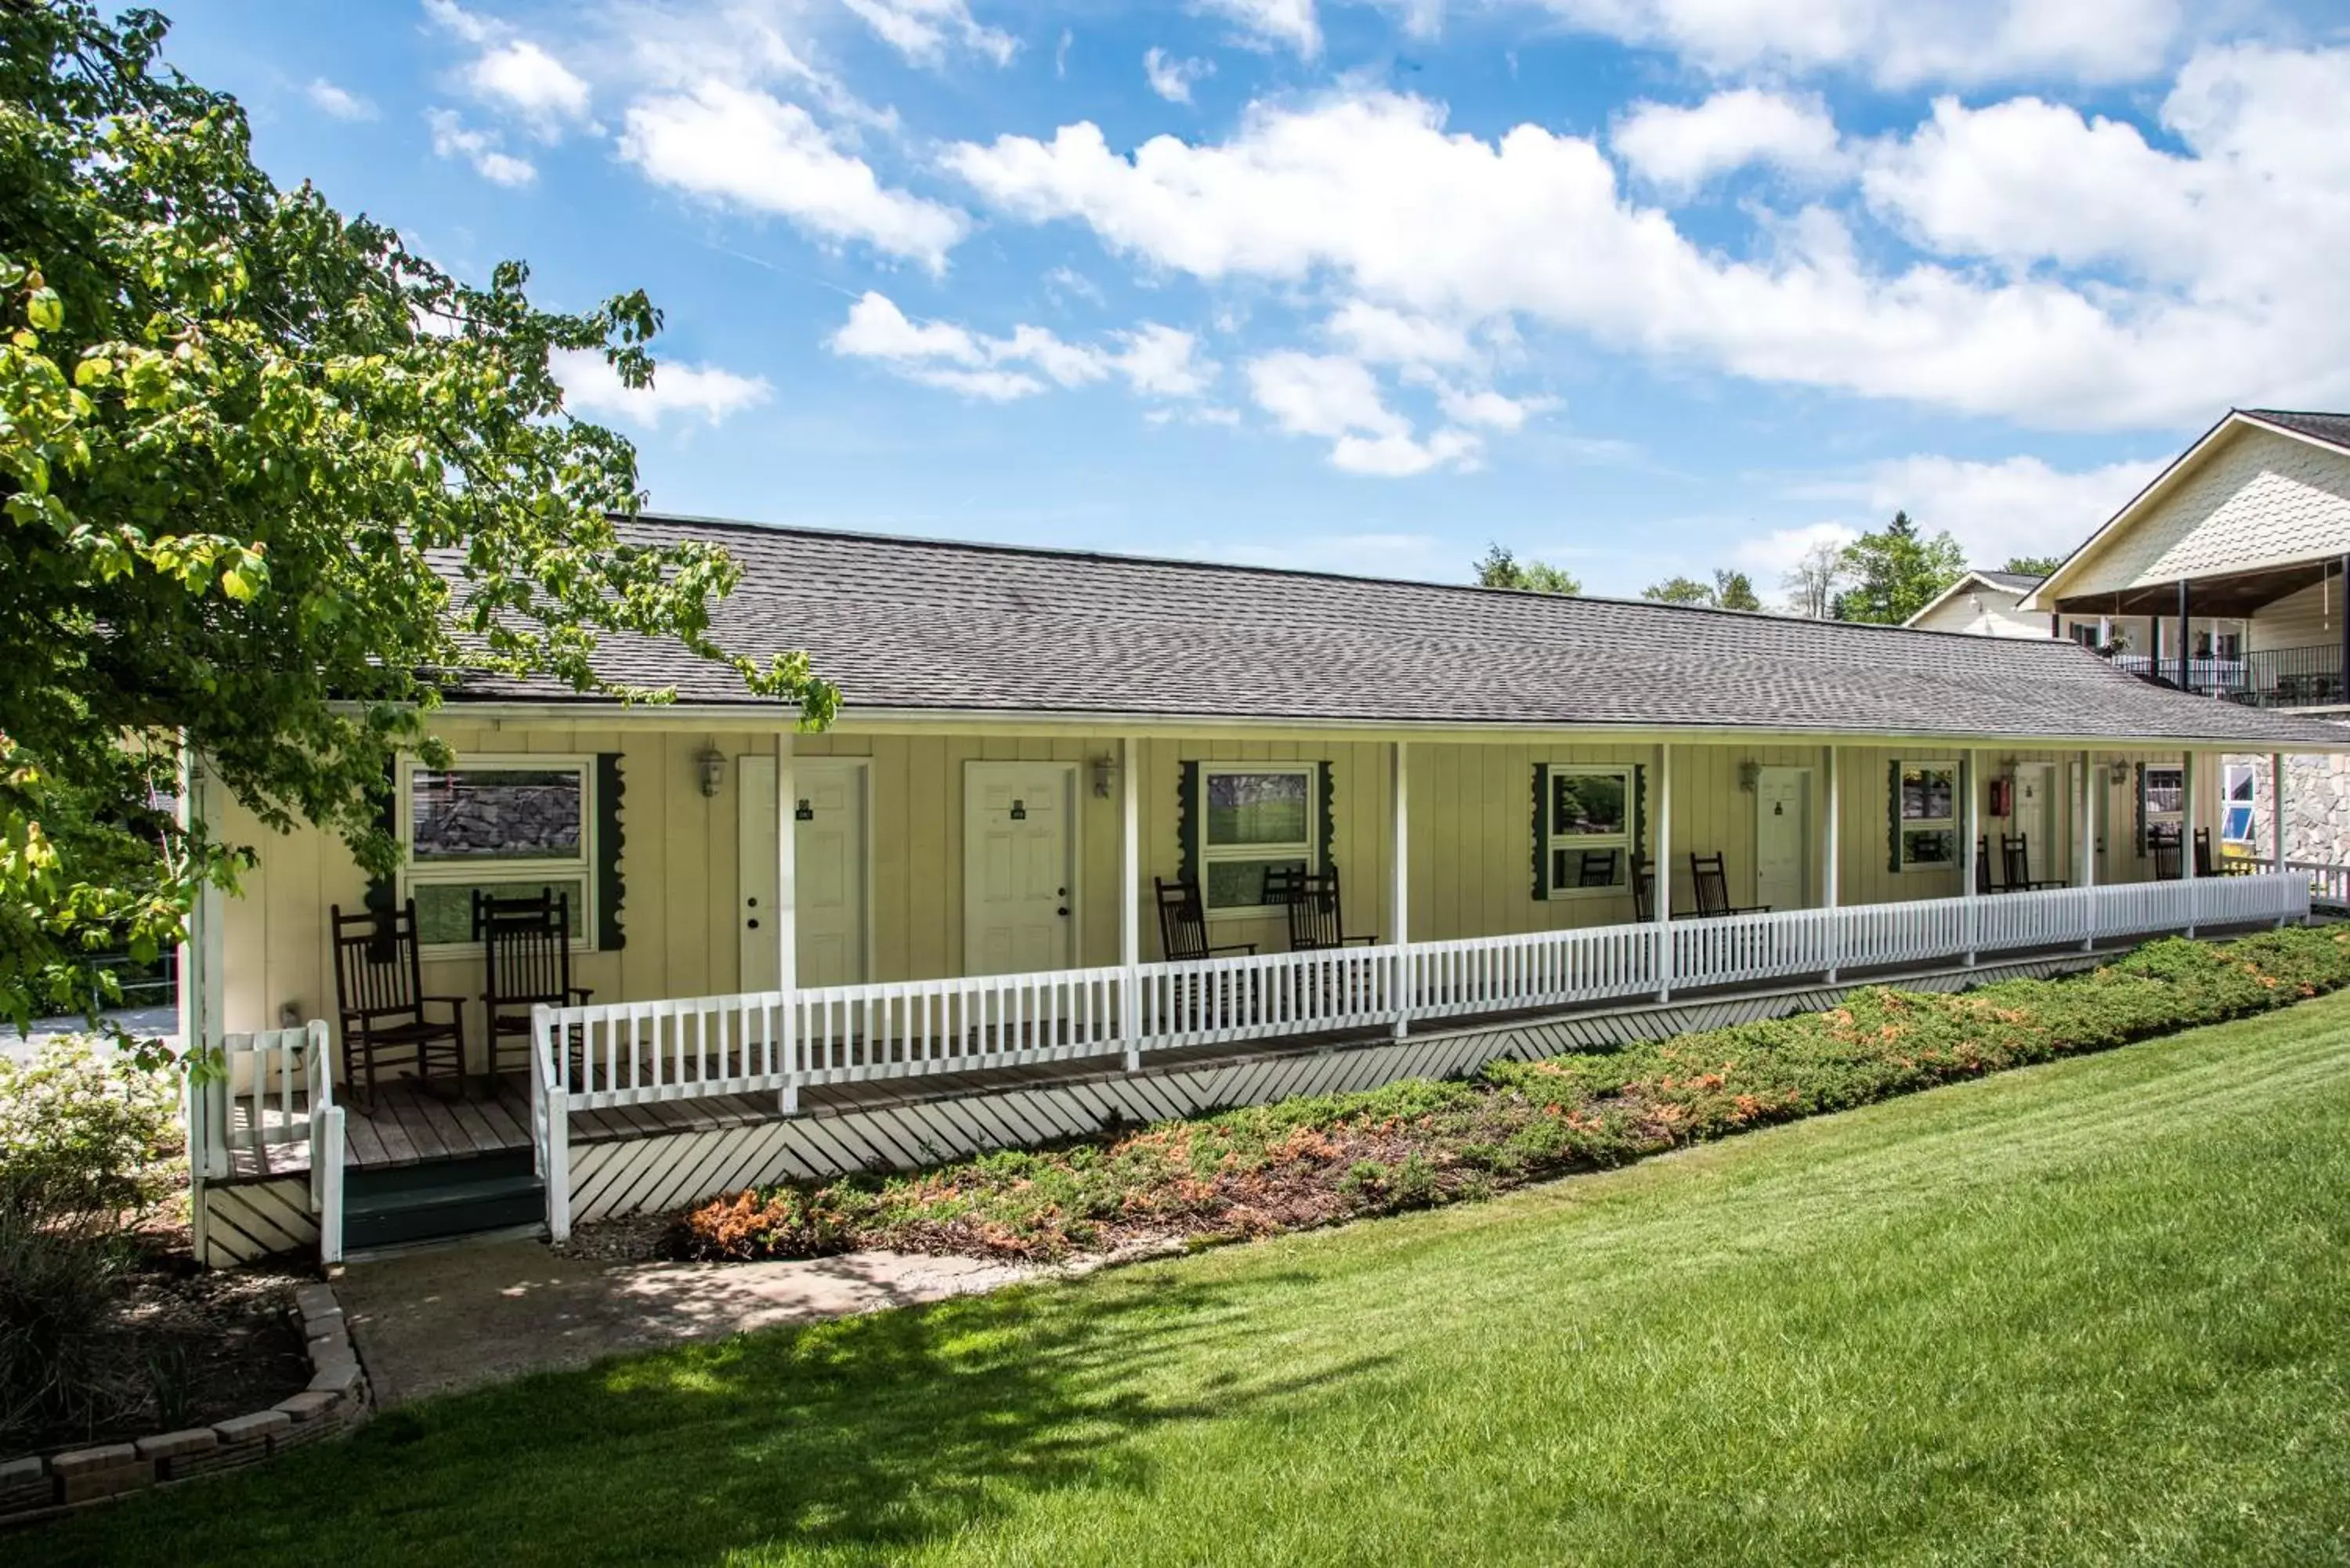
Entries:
{"x":713,"y":765}
{"x":1105,"y":776}
{"x":1749,"y":776}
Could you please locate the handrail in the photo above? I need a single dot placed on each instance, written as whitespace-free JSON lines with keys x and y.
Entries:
{"x":618,"y":1053}
{"x":2328,"y":883}
{"x":550,"y":1122}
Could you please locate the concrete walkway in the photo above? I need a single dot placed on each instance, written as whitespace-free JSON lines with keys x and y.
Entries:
{"x":457,"y":1317}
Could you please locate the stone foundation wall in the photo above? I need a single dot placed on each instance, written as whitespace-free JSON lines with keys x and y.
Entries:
{"x":2317,"y":808}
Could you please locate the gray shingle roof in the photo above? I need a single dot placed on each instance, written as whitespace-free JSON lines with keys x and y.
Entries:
{"x":2332,"y":429}
{"x":2014,"y":582}
{"x":905,"y":624}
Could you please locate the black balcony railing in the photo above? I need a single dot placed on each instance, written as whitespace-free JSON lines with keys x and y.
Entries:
{"x":2271,"y":678}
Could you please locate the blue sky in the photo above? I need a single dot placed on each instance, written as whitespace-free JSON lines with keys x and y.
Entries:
{"x":1638,"y":286}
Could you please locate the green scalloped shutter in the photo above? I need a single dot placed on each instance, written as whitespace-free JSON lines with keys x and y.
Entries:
{"x":1542,"y":837}
{"x":1893,"y":816}
{"x":383,"y":892}
{"x":2140,"y":835}
{"x":1326,"y":793}
{"x":610,"y":886}
{"x":1639,"y":817}
{"x":1187,"y":823}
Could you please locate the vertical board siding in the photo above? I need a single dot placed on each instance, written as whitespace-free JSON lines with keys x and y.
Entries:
{"x":1469,"y":848}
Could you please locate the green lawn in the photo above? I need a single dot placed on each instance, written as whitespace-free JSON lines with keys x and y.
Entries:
{"x":2094,"y":1312}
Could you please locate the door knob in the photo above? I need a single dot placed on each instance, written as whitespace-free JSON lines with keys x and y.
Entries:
{"x":1063,"y":911}
{"x":755,"y":922}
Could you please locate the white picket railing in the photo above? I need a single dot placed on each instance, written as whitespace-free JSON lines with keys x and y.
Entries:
{"x":621,"y":1054}
{"x":2328,"y":884}
{"x":274,"y":1090}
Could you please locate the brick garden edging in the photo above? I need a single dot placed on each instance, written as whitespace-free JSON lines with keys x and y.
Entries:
{"x":43,"y":1486}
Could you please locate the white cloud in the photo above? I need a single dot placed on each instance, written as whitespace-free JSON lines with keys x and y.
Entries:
{"x":923,"y":30}
{"x":1338,"y":398}
{"x":1897,"y":43}
{"x":2019,"y":506}
{"x":452,"y":138}
{"x":1154,"y":360}
{"x":1172,"y":79}
{"x":1290,"y":23}
{"x":738,"y":145}
{"x":1384,"y":336}
{"x":1488,"y":407}
{"x":532,"y":83}
{"x":1368,"y":193}
{"x":1769,"y":558}
{"x":1682,"y":150}
{"x":591,"y":386}
{"x":338,"y":102}
{"x":511,"y":73}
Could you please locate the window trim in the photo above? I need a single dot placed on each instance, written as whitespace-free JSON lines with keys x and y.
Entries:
{"x":1903,"y":826}
{"x":1628,"y":773}
{"x":466,"y":873}
{"x":1210,"y":853}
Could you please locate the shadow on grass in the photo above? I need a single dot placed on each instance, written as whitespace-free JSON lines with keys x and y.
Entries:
{"x":858,"y":1440}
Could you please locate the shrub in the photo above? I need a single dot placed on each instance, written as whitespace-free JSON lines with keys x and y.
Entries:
{"x":86,"y":1142}
{"x":1261,"y":1169}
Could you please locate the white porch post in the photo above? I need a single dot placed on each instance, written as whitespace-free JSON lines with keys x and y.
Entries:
{"x":2276,"y":809}
{"x":1662,"y":898}
{"x":1129,"y":905}
{"x":1831,"y":848}
{"x":202,"y":964}
{"x":786,"y":914}
{"x":1970,"y":848}
{"x":2276,"y":816}
{"x":2187,"y":834}
{"x":2086,"y":829}
{"x":1400,"y":880}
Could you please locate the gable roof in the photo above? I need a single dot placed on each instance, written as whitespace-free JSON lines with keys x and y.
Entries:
{"x":2323,"y":429}
{"x":1999,"y":582}
{"x":913,"y":626}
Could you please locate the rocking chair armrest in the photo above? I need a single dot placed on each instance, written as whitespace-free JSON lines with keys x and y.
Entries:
{"x":1234,"y":947}
{"x":1358,"y":941}
{"x":580,"y":994}
{"x":455,"y":1004}
{"x":1753,"y":909}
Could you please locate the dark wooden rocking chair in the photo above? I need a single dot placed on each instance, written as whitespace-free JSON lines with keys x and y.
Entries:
{"x":2203,"y":852}
{"x":525,"y":961}
{"x":1183,"y":924}
{"x":2164,"y":843}
{"x":1314,"y":917}
{"x":1712,"y":881}
{"x":381,"y":1003}
{"x":2015,"y":861}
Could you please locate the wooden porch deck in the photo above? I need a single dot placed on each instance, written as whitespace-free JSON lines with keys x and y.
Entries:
{"x":407,"y":1125}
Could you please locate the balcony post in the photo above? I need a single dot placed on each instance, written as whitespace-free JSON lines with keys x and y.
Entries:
{"x":1398,"y":880}
{"x":2186,"y":641}
{"x":1129,"y":900}
{"x":1661,"y":898}
{"x":2342,"y":674}
{"x":1832,"y":856}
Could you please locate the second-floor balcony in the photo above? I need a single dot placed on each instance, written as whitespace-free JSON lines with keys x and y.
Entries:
{"x":2269,"y":677}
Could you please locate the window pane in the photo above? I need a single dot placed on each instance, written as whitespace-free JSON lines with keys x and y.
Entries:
{"x":496,"y":813}
{"x":2237,"y":827}
{"x":2164,"y":790}
{"x":1257,"y":808}
{"x":2240,"y":784}
{"x":1928,"y":794}
{"x":1239,"y":884}
{"x":1938,"y":846}
{"x":1586,"y":869}
{"x":1586,"y":803}
{"x":445,"y":910}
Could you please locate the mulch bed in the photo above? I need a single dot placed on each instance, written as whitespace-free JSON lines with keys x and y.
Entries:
{"x":195,"y":1346}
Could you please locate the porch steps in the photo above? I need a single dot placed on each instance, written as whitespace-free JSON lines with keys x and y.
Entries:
{"x":440,"y":1198}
